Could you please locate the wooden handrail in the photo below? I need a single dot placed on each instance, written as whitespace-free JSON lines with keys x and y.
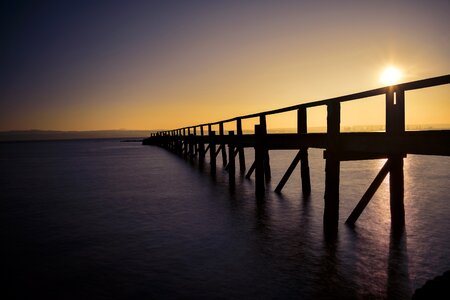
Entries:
{"x":413,"y":85}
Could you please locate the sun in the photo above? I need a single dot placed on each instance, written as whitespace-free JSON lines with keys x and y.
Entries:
{"x":391,"y":75}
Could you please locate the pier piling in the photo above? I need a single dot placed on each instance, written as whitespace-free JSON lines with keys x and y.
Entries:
{"x":231,"y":159}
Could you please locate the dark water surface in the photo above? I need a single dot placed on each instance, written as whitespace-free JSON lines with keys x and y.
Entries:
{"x":109,"y":220}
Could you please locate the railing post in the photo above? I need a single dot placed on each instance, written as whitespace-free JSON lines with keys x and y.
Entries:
{"x":302,"y":127}
{"x":240,"y":148}
{"x":332,"y":165}
{"x":267,"y":171}
{"x":231,"y":161}
{"x":222,"y":145}
{"x":395,"y":127}
{"x":259,"y":161}
{"x":395,"y":112}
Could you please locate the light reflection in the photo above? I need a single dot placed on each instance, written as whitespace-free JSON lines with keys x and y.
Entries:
{"x":398,"y":281}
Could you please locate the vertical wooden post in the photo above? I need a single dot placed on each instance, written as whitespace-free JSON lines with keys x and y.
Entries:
{"x":174,"y":141}
{"x":259,"y":161}
{"x":165,"y":140}
{"x":302,"y":127}
{"x":267,"y":171}
{"x":395,"y":127}
{"x":201,"y":149}
{"x":396,"y":186}
{"x":212,"y":150}
{"x":191,"y":147}
{"x":189,"y":142}
{"x":180,"y":143}
{"x":195,"y":140}
{"x":395,"y":112}
{"x":222,"y":145}
{"x":185,"y":152}
{"x":332,"y":165}
{"x":240,"y":148}
{"x":231,"y":161}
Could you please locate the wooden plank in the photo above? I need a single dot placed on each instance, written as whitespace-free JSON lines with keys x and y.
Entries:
{"x":411,"y":142}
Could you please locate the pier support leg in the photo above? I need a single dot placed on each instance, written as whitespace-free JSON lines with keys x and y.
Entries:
{"x":332,"y":165}
{"x":396,"y":186}
{"x":240,"y":149}
{"x":395,"y":126}
{"x":212,"y":152}
{"x":222,"y":146}
{"x":201,"y":150}
{"x":266,"y":158}
{"x":304,"y":172}
{"x":191,"y":148}
{"x":231,"y":161}
{"x":179,"y":146}
{"x":185,"y":147}
{"x":302,"y":128}
{"x":331,"y":211}
{"x":259,"y":162}
{"x":267,"y":171}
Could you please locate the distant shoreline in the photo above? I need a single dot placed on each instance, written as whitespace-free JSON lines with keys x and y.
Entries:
{"x":137,"y":135}
{"x":122,"y":140}
{"x":42,"y":135}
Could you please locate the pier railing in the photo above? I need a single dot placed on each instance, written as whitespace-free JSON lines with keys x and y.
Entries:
{"x":394,"y":144}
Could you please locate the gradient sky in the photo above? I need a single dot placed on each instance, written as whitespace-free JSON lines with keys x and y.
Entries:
{"x":91,"y":65}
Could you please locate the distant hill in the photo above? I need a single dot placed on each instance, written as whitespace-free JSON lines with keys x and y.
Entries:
{"x":35,"y":135}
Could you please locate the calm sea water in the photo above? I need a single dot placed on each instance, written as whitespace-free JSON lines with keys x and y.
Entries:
{"x":109,"y":220}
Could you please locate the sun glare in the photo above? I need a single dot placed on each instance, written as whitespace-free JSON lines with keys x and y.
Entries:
{"x":391,"y":75}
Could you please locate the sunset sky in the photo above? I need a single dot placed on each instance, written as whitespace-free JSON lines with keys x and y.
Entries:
{"x":93,"y":65}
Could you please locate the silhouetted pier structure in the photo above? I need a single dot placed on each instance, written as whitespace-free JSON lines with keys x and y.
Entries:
{"x":194,"y":142}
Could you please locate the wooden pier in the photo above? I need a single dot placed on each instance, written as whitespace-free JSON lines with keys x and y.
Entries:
{"x":194,"y":142}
